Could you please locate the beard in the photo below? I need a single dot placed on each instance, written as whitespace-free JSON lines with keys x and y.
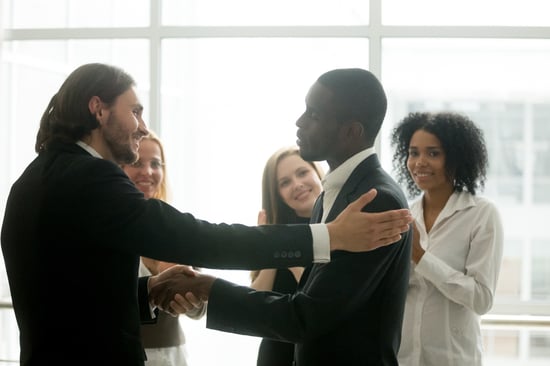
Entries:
{"x":119,"y":142}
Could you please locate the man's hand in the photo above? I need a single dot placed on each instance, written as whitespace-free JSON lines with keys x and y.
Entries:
{"x":193,"y":288}
{"x":357,"y":231}
{"x":169,"y":273}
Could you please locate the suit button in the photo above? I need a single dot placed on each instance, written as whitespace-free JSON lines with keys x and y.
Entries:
{"x":276,"y":255}
{"x":297,"y":254}
{"x":291,"y":254}
{"x":283,"y":254}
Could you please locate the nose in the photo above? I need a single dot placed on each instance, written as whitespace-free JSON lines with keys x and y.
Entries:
{"x":142,"y":128}
{"x":420,"y":161}
{"x":145,"y":168}
{"x":300,"y":121}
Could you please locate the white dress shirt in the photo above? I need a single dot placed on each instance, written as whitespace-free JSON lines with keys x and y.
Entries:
{"x":453,"y":284}
{"x":334,"y":180}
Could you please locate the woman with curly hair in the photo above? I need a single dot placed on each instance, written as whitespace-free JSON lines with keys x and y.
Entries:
{"x":457,"y":241}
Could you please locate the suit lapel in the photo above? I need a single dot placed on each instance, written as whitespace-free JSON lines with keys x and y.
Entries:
{"x":317,"y":212}
{"x":348,"y":193}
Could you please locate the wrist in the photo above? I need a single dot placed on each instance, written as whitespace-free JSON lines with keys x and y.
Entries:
{"x":334,"y":240}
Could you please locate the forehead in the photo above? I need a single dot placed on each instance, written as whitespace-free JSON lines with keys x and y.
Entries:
{"x":149,"y":148}
{"x":424,"y":138}
{"x":289,"y":164}
{"x":320,"y":98}
{"x":128,"y":97}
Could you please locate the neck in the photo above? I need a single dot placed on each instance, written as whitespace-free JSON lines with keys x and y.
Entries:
{"x":95,"y":140}
{"x":436,"y":200}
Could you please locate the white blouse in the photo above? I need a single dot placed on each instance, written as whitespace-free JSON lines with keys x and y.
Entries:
{"x":453,"y":284}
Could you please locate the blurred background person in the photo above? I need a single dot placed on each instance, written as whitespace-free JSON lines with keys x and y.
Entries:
{"x":457,"y":241}
{"x":164,"y":341}
{"x":290,"y":186}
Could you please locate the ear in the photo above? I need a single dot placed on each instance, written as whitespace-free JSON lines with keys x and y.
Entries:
{"x":356,"y":130}
{"x":95,"y":105}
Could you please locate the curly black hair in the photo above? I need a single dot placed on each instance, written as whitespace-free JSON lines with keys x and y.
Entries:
{"x":466,"y":158}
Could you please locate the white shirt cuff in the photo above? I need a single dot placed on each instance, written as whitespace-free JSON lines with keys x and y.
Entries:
{"x":321,"y":243}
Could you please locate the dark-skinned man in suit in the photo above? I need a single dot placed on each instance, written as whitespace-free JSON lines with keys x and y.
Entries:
{"x":348,"y":311}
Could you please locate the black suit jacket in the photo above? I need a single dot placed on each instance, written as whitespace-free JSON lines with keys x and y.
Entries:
{"x":73,"y":231}
{"x":346,"y":312}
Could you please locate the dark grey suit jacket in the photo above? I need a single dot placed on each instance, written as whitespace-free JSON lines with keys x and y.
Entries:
{"x":346,"y":312}
{"x":73,"y":231}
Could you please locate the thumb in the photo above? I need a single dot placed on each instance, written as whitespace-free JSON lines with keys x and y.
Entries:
{"x":262,"y":217}
{"x":362,"y":201}
{"x":183,"y":269}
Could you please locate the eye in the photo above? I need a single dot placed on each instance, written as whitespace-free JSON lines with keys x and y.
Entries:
{"x":156,"y":164}
{"x":302,"y":173}
{"x":413,"y":153}
{"x":138,"y":164}
{"x":312,"y":114}
{"x":283,"y":183}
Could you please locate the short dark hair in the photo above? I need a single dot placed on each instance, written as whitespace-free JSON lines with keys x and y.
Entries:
{"x":466,"y":158}
{"x":67,"y":117}
{"x":359,"y":95}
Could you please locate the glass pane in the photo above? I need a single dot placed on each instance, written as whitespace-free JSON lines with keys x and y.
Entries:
{"x":75,"y":14}
{"x":503,"y":344}
{"x":541,"y":132}
{"x":466,"y":12}
{"x":540,"y":274}
{"x":540,"y":345}
{"x":262,"y":13}
{"x":229,"y":103}
{"x":509,"y":281}
{"x":500,"y":84}
{"x":9,"y":335}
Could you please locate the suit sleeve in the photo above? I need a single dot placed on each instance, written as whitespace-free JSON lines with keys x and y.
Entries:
{"x":117,"y":215}
{"x":332,"y":295}
{"x":145,"y":311}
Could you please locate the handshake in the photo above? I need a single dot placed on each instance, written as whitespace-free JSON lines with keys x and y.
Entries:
{"x":179,"y":289}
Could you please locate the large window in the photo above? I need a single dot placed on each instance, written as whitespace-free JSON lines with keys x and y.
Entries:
{"x":224,"y":82}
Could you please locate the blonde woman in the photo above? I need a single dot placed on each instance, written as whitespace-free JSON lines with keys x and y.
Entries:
{"x":164,"y":341}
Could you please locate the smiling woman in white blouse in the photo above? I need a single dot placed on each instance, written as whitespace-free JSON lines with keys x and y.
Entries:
{"x":457,"y":242}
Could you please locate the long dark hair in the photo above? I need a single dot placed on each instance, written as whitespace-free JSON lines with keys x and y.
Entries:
{"x":67,"y":117}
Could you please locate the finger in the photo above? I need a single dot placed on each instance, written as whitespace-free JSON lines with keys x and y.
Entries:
{"x":181,"y":304}
{"x":362,"y":201}
{"x":388,"y":240}
{"x":262,"y":217}
{"x":186,"y":270}
{"x":400,"y":216}
{"x":192,"y":299}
